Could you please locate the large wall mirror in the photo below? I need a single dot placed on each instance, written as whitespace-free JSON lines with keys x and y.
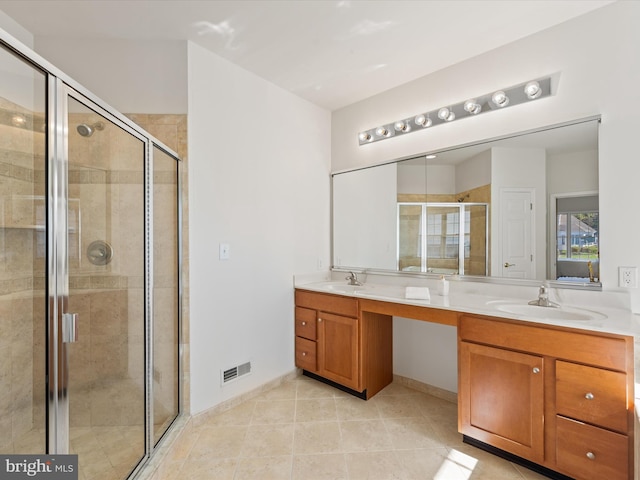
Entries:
{"x":521,"y":207}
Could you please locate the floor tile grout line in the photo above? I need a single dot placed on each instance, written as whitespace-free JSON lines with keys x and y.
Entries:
{"x":440,"y":431}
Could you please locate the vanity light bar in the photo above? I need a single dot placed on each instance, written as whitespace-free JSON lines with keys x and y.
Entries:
{"x":497,"y":100}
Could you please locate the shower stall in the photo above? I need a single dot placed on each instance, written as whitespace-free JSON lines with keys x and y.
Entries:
{"x":90,"y":272}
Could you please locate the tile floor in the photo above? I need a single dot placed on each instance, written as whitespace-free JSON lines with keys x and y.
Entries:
{"x":306,"y":430}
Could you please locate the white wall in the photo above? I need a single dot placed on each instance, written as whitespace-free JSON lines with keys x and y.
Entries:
{"x":598,"y":68}
{"x":474,"y":172}
{"x":426,"y":352}
{"x":411,"y":178}
{"x":16,"y":30}
{"x":365,"y":218}
{"x":133,"y":76}
{"x":441,"y":179}
{"x":259,"y":181}
{"x":572,"y":172}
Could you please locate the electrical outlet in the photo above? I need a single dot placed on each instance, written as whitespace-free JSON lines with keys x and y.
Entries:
{"x":628,"y":277}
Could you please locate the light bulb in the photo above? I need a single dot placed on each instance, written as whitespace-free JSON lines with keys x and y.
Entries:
{"x":500,"y":99}
{"x":451,"y":117}
{"x":18,"y":120}
{"x":399,"y":126}
{"x":443,"y":113}
{"x":472,"y":106}
{"x":365,"y":137}
{"x":382,"y":132}
{"x":423,"y":121}
{"x":532,"y":90}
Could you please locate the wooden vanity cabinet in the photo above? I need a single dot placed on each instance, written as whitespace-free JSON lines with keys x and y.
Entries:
{"x":561,"y":398}
{"x":339,"y":341}
{"x":328,"y":337}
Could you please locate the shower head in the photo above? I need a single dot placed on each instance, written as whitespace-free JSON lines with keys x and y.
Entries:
{"x":87,"y":130}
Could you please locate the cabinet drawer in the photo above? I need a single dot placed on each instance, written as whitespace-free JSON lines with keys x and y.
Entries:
{"x":605,"y":351}
{"x":306,"y":354}
{"x":306,"y":323}
{"x":592,"y":395}
{"x":327,"y":303}
{"x":591,"y":453}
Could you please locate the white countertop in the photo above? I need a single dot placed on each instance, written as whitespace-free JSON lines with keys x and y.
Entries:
{"x":607,"y":319}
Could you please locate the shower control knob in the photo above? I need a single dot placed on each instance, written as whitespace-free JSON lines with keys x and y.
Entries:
{"x":99,"y":252}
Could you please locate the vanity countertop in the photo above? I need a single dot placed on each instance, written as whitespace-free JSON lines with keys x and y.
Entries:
{"x":606,"y":319}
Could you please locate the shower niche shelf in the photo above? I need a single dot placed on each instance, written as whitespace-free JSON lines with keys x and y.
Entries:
{"x":28,"y":212}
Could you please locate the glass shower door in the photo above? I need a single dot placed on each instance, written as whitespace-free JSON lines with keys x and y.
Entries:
{"x":23,"y":256}
{"x":166,"y":294}
{"x":106,"y":279}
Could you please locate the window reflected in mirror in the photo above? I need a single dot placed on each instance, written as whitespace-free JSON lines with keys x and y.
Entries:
{"x":577,"y":239}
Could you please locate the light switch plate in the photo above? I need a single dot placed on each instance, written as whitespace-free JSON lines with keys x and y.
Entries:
{"x":224,"y":251}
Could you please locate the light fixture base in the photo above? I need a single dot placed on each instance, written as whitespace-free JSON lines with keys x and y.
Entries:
{"x":516,"y":95}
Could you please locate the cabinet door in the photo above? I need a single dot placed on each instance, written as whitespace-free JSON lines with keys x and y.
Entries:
{"x":338,"y":349}
{"x":501,"y":399}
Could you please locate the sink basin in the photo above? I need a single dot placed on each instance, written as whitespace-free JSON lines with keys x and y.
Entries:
{"x":343,"y":288}
{"x":367,"y":290}
{"x":549,"y":313}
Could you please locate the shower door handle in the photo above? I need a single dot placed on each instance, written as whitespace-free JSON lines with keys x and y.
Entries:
{"x":69,"y":327}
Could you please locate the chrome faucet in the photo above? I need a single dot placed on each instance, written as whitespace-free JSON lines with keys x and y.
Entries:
{"x":353,"y":278}
{"x":543,"y":298}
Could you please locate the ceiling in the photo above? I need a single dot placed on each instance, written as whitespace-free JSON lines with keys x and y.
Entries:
{"x":330,"y":52}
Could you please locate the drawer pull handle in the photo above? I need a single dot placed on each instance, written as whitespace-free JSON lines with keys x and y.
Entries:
{"x":591,"y":455}
{"x":319,"y":319}
{"x":589,"y":396}
{"x":304,"y":354}
{"x":304,"y":323}
{"x":536,"y":370}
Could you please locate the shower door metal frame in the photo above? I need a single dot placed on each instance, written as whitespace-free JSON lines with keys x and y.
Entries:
{"x":58,"y":177}
{"x":462,"y":207}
